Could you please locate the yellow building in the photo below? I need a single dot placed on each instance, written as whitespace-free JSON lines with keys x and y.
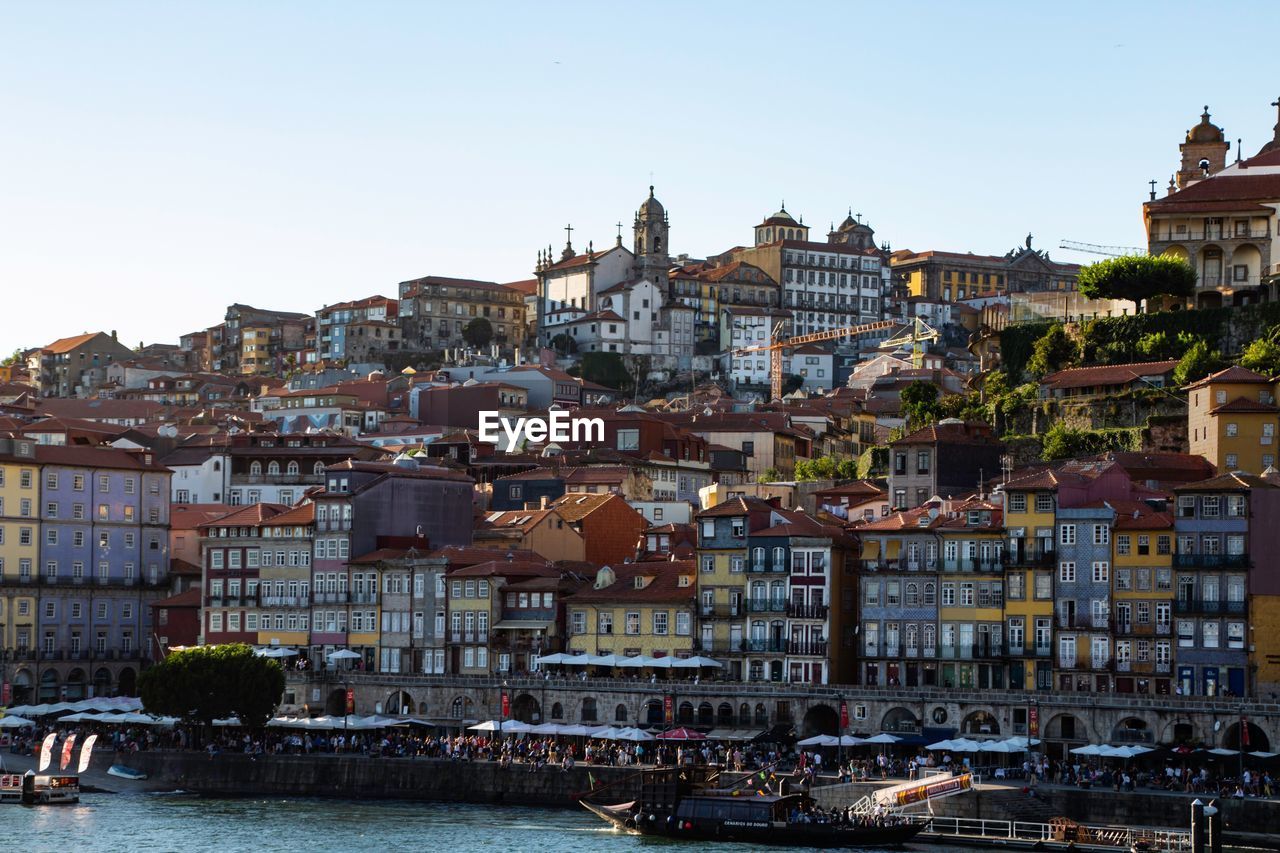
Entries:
{"x":1142,"y":598}
{"x":1030,"y":507}
{"x":955,"y":276}
{"x":284,"y":578}
{"x":722,"y":579}
{"x":474,"y":607}
{"x":1231,"y":418}
{"x":255,"y":350}
{"x":635,"y":609}
{"x":19,"y":549}
{"x":971,"y":596}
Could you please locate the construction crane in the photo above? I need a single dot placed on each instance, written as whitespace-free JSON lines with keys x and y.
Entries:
{"x":916,"y":336}
{"x":1098,"y":249}
{"x":777,"y":345}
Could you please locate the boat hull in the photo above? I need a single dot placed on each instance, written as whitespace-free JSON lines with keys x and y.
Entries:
{"x":790,"y":835}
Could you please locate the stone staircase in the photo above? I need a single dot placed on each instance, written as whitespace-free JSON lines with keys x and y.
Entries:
{"x":1014,"y":805}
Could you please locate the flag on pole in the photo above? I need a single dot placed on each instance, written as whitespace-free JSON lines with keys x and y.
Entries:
{"x":46,"y":752}
{"x":86,"y":752}
{"x":591,"y":779}
{"x":66,"y":752}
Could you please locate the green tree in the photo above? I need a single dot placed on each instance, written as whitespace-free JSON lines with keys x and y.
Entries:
{"x":1262,"y":356}
{"x":608,"y":369}
{"x":206,"y":683}
{"x":1054,"y":351}
{"x":920,"y":403}
{"x":1197,"y":363}
{"x":770,"y":475}
{"x":14,"y":358}
{"x":564,"y":344}
{"x":478,"y":333}
{"x":1137,"y":278}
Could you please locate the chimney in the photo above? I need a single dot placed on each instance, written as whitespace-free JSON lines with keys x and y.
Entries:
{"x":543,"y":503}
{"x":113,"y":334}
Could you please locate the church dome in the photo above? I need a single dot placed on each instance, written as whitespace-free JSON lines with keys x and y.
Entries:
{"x":782,"y":216}
{"x":1205,"y":131}
{"x":651,"y":206}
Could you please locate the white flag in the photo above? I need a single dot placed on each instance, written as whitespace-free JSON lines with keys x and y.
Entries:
{"x":86,"y":752}
{"x":46,"y":752}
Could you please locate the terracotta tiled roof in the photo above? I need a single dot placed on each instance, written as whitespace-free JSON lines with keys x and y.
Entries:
{"x":596,"y":475}
{"x":735,"y":507}
{"x":1111,"y":374}
{"x":576,"y":506}
{"x":1234,"y":187}
{"x":79,"y":456}
{"x":662,"y":584}
{"x":527,"y":286}
{"x":1234,"y":375}
{"x":944,"y":433}
{"x":299,"y":515}
{"x":523,"y":520}
{"x":1240,"y":405}
{"x":467,"y":555}
{"x":67,"y":344}
{"x":252,"y":515}
{"x":189,"y":598}
{"x":506,"y":568}
{"x":191,"y":516}
{"x":1226,"y":482}
{"x":382,"y":554}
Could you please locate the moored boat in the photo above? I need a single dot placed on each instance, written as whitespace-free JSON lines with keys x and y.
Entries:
{"x":683,"y":804}
{"x":39,"y":790}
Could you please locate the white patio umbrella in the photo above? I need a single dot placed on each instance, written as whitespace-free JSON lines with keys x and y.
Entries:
{"x":558,"y":657}
{"x":1022,"y":743}
{"x":281,"y":652}
{"x":819,"y":740}
{"x":227,"y":721}
{"x":605,"y":732}
{"x":883,"y":737}
{"x":633,"y":734}
{"x":574,"y":731}
{"x":576,"y":660}
{"x":661,"y":663}
{"x":997,"y":746}
{"x":964,"y":744}
{"x":1089,"y":749}
{"x":1221,"y":751}
{"x":546,"y":729}
{"x":850,"y":740}
{"x":12,"y":722}
{"x":343,"y":654}
{"x":948,"y":745}
{"x":1261,"y":754}
{"x":695,"y":662}
{"x":603,"y":660}
{"x":635,"y":662}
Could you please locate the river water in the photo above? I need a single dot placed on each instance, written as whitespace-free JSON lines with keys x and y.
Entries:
{"x":160,"y":822}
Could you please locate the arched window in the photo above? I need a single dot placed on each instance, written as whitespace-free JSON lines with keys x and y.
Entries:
{"x":588,"y":710}
{"x":912,"y":597}
{"x":557,"y":711}
{"x":292,"y":470}
{"x":685,"y":715}
{"x":620,"y":714}
{"x":458,"y":708}
{"x":779,"y":559}
{"x":255,"y":468}
{"x":930,"y":595}
{"x":318,"y":468}
{"x":757,"y":559}
{"x":762,"y":716}
{"x":724,"y":714}
{"x":273,"y":468}
{"x":744,"y":714}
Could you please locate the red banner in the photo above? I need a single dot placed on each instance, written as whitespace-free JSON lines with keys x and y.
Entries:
{"x":5,"y":694}
{"x":1244,"y":731}
{"x":351,"y":701}
{"x":506,"y":705}
{"x":66,"y":751}
{"x":844,"y":715}
{"x":1033,"y":721}
{"x":668,"y":708}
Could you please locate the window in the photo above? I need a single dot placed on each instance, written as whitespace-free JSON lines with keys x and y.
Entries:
{"x":708,"y":529}
{"x":1044,"y":502}
{"x":1124,"y":580}
{"x":1123,"y":544}
{"x":922,"y":462}
{"x":632,"y":626}
{"x":1232,"y":430}
{"x":1067,"y":534}
{"x":628,"y":439}
{"x":1066,"y":573}
{"x":660,"y":622}
{"x":1017,"y":502}
{"x":948,"y":595}
{"x":1101,"y":534}
{"x":1101,"y":572}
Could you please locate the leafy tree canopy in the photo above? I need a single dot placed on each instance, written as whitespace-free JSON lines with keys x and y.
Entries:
{"x":826,"y":468}
{"x":1262,"y":356}
{"x":1136,"y":278}
{"x":1197,"y":363}
{"x":478,"y":332}
{"x":1054,"y":351}
{"x":920,"y":404}
{"x":208,"y":683}
{"x":606,"y":368}
{"x":564,"y":344}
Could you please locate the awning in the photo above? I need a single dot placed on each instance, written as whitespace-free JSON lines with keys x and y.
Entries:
{"x":524,"y":625}
{"x":732,"y":734}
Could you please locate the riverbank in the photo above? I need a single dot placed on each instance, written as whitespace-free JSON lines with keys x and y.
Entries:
{"x":489,"y":782}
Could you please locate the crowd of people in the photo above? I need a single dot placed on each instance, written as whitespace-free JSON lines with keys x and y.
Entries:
{"x":1219,"y":778}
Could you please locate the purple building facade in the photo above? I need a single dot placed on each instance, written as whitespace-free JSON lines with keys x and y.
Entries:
{"x":104,"y":555}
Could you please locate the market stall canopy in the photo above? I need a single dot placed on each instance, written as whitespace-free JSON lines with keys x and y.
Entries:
{"x":11,"y":722}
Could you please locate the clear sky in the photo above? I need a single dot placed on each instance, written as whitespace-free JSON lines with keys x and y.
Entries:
{"x":159,"y":161}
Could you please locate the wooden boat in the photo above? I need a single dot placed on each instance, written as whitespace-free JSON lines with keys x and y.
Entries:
{"x":680,"y":803}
